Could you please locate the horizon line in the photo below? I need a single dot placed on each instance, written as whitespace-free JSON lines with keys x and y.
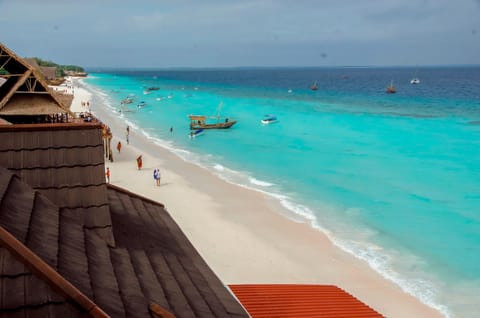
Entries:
{"x":173,"y":68}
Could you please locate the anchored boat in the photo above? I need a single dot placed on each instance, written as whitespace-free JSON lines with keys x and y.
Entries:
{"x":211,"y":122}
{"x":196,"y":133}
{"x":269,"y":119}
{"x":391,"y":89}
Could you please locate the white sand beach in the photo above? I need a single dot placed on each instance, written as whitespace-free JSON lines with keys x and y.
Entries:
{"x":241,"y":233}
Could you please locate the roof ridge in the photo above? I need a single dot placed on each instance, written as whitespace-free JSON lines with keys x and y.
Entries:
{"x":117,"y":188}
{"x":5,"y":186}
{"x":16,"y":149}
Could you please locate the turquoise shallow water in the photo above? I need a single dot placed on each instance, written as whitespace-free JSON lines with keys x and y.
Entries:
{"x":393,"y":179}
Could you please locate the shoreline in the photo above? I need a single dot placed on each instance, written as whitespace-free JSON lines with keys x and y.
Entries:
{"x":268,"y":247}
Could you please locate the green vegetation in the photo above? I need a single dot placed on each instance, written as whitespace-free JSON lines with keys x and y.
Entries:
{"x":60,"y":68}
{"x":3,"y":71}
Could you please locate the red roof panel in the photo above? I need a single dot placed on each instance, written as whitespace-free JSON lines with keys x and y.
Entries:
{"x":291,"y":300}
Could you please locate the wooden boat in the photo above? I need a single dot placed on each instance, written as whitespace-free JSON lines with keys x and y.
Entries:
{"x":391,"y":89}
{"x":211,"y":122}
{"x":314,"y":86}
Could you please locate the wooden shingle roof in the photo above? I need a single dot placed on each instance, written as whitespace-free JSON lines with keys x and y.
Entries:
{"x":122,"y":251}
{"x":170,"y":271}
{"x":65,"y":163}
{"x":35,"y":222}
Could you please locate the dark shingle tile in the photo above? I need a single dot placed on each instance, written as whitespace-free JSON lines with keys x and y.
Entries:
{"x":173,"y":291}
{"x":72,"y":256}
{"x":135,"y":303}
{"x":151,"y":288}
{"x":9,"y":266}
{"x":36,"y":291}
{"x":106,"y":292}
{"x":43,"y":232}
{"x":12,"y":292}
{"x":15,"y":209}
{"x":195,"y":299}
{"x":5,"y":179}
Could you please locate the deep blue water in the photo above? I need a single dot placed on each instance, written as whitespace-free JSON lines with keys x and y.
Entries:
{"x":392,"y":178}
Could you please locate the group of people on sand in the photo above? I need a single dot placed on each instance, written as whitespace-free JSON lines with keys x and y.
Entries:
{"x":156,"y":171}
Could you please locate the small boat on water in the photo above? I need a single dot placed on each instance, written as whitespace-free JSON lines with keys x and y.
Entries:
{"x":196,"y":133}
{"x":125,"y":110}
{"x":415,"y":80}
{"x":127,"y":100}
{"x":211,"y":122}
{"x":391,"y":89}
{"x":152,"y":88}
{"x":269,"y":119}
{"x":141,"y":104}
{"x":314,"y":86}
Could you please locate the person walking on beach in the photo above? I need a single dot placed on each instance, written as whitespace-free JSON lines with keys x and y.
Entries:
{"x":107,"y":174}
{"x":139,"y":162}
{"x":155,"y":176}
{"x":119,"y":146}
{"x":127,"y":134}
{"x":158,"y":177}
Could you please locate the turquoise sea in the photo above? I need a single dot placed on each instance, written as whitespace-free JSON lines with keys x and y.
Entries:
{"x":392,"y":178}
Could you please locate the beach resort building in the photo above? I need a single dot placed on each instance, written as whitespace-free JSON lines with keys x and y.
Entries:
{"x":73,"y":246}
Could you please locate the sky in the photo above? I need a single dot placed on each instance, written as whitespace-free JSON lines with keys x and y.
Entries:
{"x":242,"y":33}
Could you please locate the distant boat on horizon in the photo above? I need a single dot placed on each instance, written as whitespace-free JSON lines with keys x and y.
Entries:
{"x":415,"y":80}
{"x":391,"y":89}
{"x":314,"y":86}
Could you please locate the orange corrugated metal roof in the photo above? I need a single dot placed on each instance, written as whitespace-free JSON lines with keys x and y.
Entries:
{"x":284,"y":300}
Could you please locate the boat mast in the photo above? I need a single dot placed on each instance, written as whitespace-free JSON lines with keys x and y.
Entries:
{"x":219,"y":109}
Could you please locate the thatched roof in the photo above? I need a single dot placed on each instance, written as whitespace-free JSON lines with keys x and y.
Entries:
{"x":32,"y":62}
{"x":25,"y":92}
{"x":50,"y":72}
